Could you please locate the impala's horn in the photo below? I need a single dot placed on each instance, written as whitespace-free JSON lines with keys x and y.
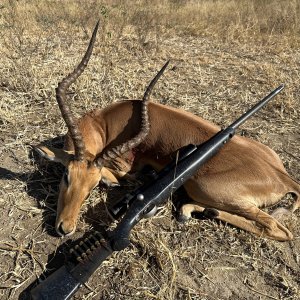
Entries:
{"x":63,"y":106}
{"x":119,"y":150}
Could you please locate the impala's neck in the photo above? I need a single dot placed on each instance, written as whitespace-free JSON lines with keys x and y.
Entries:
{"x":119,"y":122}
{"x":93,"y":135}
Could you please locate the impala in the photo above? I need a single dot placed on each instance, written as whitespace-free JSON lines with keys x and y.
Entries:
{"x":107,"y":144}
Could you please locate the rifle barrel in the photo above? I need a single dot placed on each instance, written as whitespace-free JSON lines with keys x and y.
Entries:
{"x":255,"y":108}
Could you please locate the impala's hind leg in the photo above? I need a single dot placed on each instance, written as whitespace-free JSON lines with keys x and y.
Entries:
{"x":252,"y":219}
{"x":270,"y":226}
{"x":186,"y":210}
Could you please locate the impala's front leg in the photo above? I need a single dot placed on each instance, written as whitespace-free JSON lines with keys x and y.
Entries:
{"x":186,"y":210}
{"x":118,"y":169}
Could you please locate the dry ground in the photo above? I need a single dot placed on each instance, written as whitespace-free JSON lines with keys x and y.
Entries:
{"x":225,"y":55}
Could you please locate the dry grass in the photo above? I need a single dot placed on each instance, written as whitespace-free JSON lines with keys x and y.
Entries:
{"x":225,"y":55}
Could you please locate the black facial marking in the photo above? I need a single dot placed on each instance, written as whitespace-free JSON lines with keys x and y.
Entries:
{"x":66,"y":177}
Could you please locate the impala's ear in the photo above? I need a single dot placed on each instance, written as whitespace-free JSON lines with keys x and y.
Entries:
{"x":54,"y":154}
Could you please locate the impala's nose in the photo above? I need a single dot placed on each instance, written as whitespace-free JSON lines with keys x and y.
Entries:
{"x":65,"y":229}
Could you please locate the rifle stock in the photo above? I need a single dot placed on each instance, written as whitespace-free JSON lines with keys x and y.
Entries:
{"x":64,"y":282}
{"x":61,"y":283}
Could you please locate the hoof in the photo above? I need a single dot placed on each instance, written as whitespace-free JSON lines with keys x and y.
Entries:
{"x":181,"y":218}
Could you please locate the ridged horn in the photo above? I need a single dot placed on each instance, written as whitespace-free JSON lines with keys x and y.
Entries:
{"x":63,"y":106}
{"x":119,"y":150}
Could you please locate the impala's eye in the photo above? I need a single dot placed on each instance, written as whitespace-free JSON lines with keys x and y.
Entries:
{"x":66,"y":177}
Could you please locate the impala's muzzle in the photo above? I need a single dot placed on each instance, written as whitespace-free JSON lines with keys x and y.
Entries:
{"x":66,"y":219}
{"x":65,"y":228}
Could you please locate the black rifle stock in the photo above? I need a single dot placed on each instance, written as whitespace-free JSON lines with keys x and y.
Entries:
{"x":64,"y":282}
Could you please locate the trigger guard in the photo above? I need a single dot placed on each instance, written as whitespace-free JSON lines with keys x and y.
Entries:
{"x":151,"y":212}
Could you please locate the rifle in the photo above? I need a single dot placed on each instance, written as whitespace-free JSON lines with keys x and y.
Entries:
{"x":91,"y":252}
